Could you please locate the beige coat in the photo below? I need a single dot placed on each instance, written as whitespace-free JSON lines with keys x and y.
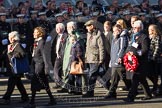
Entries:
{"x":94,"y":47}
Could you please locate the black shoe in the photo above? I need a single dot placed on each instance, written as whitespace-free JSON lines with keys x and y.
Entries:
{"x":88,"y":95}
{"x":78,"y":93}
{"x":63,"y":90}
{"x":160,"y":93}
{"x":24,"y":100}
{"x":146,"y":98}
{"x":71,"y":92}
{"x":30,"y":106}
{"x":110,"y":96}
{"x":129,"y":100}
{"x":4,"y":102}
{"x":155,"y":93}
{"x":52,"y":102}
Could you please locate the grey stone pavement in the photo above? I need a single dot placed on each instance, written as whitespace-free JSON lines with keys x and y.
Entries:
{"x":76,"y":101}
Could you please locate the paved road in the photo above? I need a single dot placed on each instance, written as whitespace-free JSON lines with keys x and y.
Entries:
{"x":76,"y":101}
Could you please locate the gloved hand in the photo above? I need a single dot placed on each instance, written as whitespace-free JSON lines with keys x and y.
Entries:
{"x":4,"y":41}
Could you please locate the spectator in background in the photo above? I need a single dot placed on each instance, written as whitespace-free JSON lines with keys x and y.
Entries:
{"x":48,"y":5}
{"x":24,"y":11}
{"x":5,"y":28}
{"x":59,"y":18}
{"x":145,"y":6}
{"x":1,"y":2}
{"x":38,"y":1}
{"x":115,"y":7}
{"x":52,"y":10}
{"x":28,"y":6}
{"x":145,"y":20}
{"x":36,"y":7}
{"x":80,"y":6}
{"x":127,"y":17}
{"x":41,"y":7}
{"x":62,"y":7}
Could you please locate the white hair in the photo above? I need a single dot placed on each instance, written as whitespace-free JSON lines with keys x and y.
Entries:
{"x":138,"y":23}
{"x":14,"y":35}
{"x":72,"y":24}
{"x":61,"y":25}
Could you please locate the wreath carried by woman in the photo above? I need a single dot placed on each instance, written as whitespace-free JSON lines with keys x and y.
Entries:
{"x":130,"y":61}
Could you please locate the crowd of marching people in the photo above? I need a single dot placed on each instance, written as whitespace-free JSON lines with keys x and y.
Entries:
{"x":116,"y":42}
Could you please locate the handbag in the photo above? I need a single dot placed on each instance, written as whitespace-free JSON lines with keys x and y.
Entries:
{"x":20,"y":65}
{"x":77,"y":67}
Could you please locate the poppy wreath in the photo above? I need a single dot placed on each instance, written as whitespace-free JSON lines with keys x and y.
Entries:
{"x":130,"y":65}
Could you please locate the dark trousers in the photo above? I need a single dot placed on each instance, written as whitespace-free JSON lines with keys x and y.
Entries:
{"x":160,"y":73}
{"x":116,"y":75}
{"x":75,"y":82}
{"x":139,"y":78}
{"x":12,"y":81}
{"x":153,"y":74}
{"x":32,"y":101}
{"x":93,"y":74}
{"x":58,"y":70}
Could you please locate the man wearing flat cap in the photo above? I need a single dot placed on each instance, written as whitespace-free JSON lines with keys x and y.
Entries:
{"x":90,"y":22}
{"x":94,"y":55}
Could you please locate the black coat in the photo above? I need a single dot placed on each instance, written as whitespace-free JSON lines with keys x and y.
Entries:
{"x":39,"y":80}
{"x":61,"y":47}
{"x":143,"y":45}
{"x":17,"y":51}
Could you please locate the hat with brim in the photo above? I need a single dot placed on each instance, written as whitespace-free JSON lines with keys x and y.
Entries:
{"x":79,"y":14}
{"x":142,"y":14}
{"x":58,"y":15}
{"x":64,"y":12}
{"x":95,"y":13}
{"x":20,"y":15}
{"x":3,"y":14}
{"x":41,"y":13}
{"x":33,"y":12}
{"x":90,"y":22}
{"x":155,"y":12}
{"x":109,"y":12}
{"x":159,"y":15}
{"x":127,"y":12}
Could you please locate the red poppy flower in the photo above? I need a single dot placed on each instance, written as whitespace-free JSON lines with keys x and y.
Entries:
{"x":62,"y":39}
{"x":35,"y":44}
